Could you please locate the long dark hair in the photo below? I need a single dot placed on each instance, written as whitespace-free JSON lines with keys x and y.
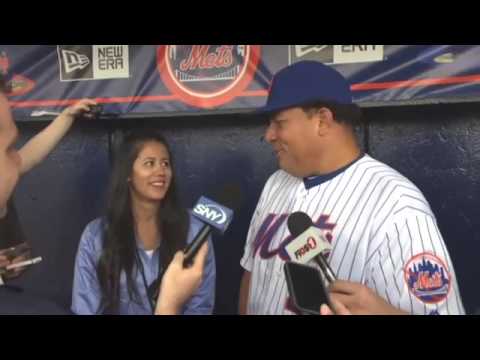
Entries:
{"x":119,"y":245}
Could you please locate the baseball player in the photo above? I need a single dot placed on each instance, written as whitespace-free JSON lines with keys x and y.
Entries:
{"x":386,"y":248}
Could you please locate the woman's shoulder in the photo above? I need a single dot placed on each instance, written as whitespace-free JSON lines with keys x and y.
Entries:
{"x":95,"y":226}
{"x":93,"y":234}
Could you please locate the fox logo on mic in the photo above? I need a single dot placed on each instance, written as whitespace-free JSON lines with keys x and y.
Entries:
{"x":307,"y":245}
{"x":310,"y":245}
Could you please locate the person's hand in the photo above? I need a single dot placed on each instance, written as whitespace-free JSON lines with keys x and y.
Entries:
{"x":81,"y":107}
{"x":11,"y":274}
{"x":357,"y":299}
{"x":337,"y":308}
{"x":3,"y":260}
{"x":6,"y":260}
{"x":179,"y":283}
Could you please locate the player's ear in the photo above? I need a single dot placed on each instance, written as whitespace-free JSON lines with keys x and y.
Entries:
{"x":324,"y":120}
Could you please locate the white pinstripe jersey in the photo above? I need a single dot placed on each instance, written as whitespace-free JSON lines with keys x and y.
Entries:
{"x":383,"y":235}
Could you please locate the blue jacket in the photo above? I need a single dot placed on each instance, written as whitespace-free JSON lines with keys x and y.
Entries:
{"x":86,"y":295}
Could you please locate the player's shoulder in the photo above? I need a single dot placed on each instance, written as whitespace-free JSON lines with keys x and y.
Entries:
{"x":396,"y":189}
{"x":280,"y":178}
{"x":387,"y":176}
{"x":376,"y":167}
{"x":277,"y":183}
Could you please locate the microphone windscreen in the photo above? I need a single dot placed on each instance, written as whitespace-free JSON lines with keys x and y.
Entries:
{"x":298,"y":222}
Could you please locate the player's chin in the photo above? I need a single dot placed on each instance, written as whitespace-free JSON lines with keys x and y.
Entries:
{"x":292,"y":170}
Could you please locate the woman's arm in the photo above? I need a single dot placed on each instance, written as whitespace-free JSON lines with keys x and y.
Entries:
{"x":38,"y":148}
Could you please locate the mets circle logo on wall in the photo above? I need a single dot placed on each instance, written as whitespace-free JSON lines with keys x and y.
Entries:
{"x":206,"y":76}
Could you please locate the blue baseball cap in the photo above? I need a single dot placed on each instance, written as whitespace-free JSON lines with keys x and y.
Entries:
{"x":305,"y":82}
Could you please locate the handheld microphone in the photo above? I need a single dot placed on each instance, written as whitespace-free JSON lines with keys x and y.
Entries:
{"x":309,"y":243}
{"x":214,"y":215}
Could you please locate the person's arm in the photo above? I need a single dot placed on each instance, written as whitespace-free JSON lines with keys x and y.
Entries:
{"x":14,"y":237}
{"x":179,"y":283}
{"x":86,"y":293}
{"x":408,"y":272}
{"x":412,"y":269}
{"x":38,"y":148}
{"x":247,"y":260}
{"x":244,"y":291}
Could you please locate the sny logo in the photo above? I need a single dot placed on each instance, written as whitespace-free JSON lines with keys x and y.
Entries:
{"x":211,"y":212}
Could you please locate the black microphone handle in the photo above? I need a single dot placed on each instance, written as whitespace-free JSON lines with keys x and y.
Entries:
{"x":192,"y":248}
{"x":326,"y":269}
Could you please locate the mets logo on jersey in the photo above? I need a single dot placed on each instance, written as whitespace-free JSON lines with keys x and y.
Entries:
{"x":207,"y":75}
{"x":427,"y":278}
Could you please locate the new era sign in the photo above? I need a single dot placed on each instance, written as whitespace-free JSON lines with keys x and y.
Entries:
{"x":93,"y":62}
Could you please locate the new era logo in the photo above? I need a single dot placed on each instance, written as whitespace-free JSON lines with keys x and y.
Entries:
{"x":93,"y":62}
{"x":74,"y":61}
{"x":302,"y":50}
{"x":322,"y":53}
{"x":336,"y":54}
